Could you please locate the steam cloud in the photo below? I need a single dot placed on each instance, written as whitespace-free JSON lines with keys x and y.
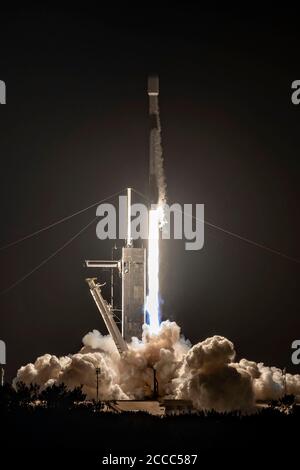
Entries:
{"x":204,"y":373}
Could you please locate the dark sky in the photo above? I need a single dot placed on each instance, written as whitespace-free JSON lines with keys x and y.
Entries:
{"x":75,"y":129}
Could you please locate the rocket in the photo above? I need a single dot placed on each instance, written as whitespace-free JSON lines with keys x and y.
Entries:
{"x":153,"y":92}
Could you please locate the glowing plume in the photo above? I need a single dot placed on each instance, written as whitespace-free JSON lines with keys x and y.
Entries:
{"x":152,"y":301}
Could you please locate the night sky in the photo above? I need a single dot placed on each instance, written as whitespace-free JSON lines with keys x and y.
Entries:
{"x":75,"y":130}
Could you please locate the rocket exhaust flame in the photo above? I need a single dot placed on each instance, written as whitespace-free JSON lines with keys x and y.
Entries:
{"x":157,"y":190}
{"x":152,"y":301}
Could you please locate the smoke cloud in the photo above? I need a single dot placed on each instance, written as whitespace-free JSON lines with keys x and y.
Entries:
{"x":205,"y":373}
{"x":210,"y":379}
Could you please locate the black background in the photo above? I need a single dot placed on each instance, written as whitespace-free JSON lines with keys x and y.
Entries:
{"x":75,"y":130}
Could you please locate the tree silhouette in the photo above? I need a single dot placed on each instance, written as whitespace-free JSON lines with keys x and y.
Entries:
{"x":7,"y":396}
{"x":58,"y":396}
{"x":19,"y":396}
{"x":25,"y":394}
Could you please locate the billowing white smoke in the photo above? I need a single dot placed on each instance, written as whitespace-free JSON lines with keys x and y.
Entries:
{"x":79,"y":369}
{"x":163,"y":351}
{"x":210,"y":379}
{"x":204,"y":373}
{"x":269,"y":383}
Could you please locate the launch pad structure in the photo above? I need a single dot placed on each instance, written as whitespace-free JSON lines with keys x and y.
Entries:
{"x":132,"y":266}
{"x":132,"y":270}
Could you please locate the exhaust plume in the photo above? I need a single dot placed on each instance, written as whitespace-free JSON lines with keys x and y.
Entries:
{"x":204,"y":373}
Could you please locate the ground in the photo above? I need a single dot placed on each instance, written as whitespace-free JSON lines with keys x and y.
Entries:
{"x":90,"y":435}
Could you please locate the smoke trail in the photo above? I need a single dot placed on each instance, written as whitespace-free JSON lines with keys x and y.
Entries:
{"x":158,"y":159}
{"x":204,"y":373}
{"x":156,"y":168}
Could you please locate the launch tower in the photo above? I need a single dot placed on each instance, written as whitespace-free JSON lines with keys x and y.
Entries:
{"x":132,"y":265}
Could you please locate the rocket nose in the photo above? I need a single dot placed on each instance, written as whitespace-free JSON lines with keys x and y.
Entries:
{"x":153,"y":85}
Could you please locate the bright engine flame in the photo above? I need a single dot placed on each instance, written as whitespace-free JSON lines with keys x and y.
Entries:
{"x":152,"y":301}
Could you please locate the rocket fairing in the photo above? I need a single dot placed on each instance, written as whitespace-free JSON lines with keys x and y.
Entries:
{"x":153,"y":92}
